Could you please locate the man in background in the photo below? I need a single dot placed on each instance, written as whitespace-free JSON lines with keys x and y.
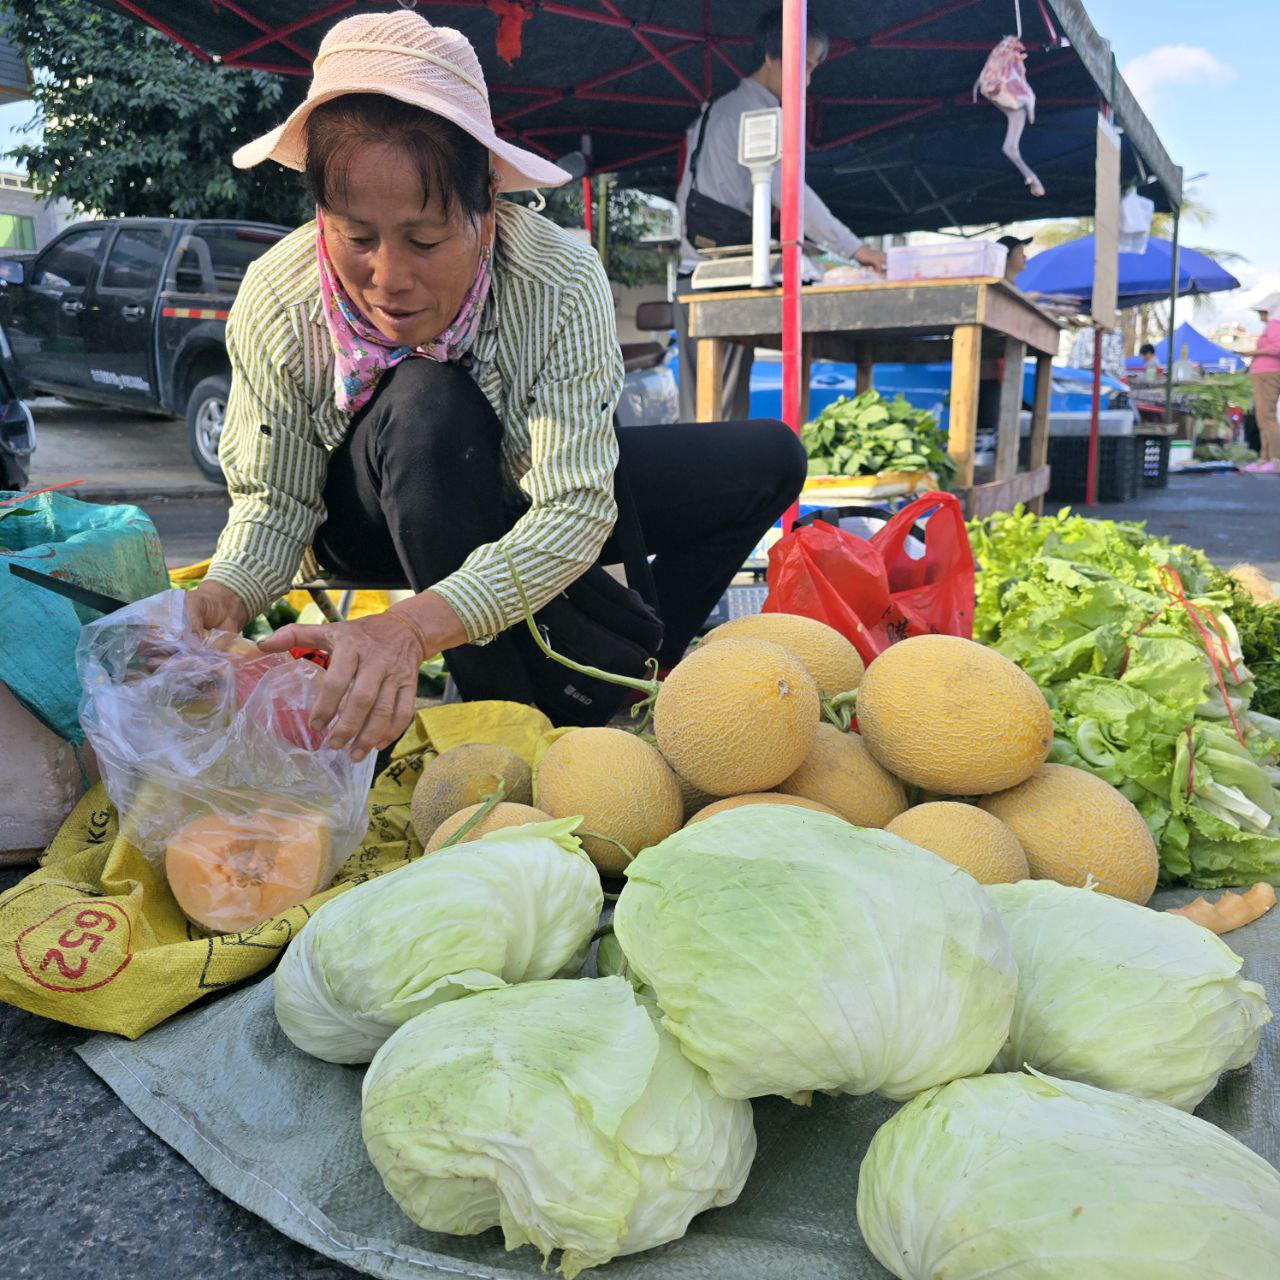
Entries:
{"x":713,"y":139}
{"x":1016,"y":262}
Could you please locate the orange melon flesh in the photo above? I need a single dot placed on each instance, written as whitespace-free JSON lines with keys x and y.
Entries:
{"x":229,"y":873}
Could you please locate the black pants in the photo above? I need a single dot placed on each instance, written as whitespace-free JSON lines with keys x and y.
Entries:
{"x":417,"y":485}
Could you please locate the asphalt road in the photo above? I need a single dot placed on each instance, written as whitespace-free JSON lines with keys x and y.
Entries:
{"x":131,"y":457}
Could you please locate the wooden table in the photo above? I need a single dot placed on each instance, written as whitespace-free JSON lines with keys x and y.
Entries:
{"x":917,"y":322}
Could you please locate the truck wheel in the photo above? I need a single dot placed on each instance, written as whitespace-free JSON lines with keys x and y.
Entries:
{"x":206,"y":410}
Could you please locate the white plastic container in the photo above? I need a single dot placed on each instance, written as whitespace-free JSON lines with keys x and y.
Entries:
{"x":1111,"y":422}
{"x":965,"y":258}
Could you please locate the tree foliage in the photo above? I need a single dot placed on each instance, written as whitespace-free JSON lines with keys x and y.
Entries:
{"x":630,"y":219}
{"x":135,"y":126}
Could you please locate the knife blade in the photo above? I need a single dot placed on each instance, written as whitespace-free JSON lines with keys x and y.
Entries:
{"x":71,"y":590}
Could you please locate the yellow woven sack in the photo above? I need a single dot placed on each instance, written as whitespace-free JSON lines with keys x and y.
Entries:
{"x":95,"y":938}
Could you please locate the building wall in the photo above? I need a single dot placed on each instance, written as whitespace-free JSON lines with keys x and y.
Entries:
{"x":26,"y":221}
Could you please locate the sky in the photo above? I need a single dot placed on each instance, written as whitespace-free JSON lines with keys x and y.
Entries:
{"x":1206,"y":76}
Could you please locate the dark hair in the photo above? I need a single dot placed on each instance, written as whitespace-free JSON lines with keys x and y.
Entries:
{"x":450,"y":163}
{"x":768,"y":38}
{"x":1146,"y":349}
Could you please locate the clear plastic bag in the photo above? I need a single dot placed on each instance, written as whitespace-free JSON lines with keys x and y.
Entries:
{"x":206,"y":749}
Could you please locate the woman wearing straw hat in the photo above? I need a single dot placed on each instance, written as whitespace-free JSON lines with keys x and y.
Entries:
{"x":1264,"y":373}
{"x":423,"y":386}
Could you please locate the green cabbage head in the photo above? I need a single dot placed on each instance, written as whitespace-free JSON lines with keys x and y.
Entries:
{"x":559,"y":1111}
{"x":1123,"y":997}
{"x":1027,"y":1177}
{"x":791,"y":951}
{"x":517,"y":905}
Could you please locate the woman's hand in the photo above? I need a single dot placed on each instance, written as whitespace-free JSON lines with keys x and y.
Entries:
{"x":213,"y":607}
{"x":366,"y":697}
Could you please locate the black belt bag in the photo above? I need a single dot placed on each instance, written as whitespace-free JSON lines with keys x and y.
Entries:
{"x":708,"y":223}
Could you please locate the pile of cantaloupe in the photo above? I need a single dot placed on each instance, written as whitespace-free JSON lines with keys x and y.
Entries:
{"x":950,"y":756}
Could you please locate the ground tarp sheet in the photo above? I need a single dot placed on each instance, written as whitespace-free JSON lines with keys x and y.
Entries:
{"x":279,"y":1133}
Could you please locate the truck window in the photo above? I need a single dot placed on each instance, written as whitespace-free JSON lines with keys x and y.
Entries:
{"x":71,"y":262}
{"x":135,"y":259}
{"x":225,"y":251}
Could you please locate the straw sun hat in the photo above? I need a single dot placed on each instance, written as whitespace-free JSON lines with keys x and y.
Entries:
{"x":1270,"y":304}
{"x":402,"y":55}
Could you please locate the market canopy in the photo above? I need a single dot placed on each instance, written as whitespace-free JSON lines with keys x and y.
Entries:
{"x":1200,"y":350}
{"x":1067,"y":269}
{"x":896,"y":142}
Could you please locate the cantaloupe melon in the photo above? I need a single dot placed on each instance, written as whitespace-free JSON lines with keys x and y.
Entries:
{"x":693,"y":798}
{"x":1073,"y":825}
{"x":840,"y":773}
{"x":229,"y":873}
{"x":501,"y":815}
{"x":758,"y":797}
{"x":828,"y":657}
{"x":621,"y":787}
{"x":463,"y":776}
{"x":736,"y":716}
{"x":953,"y":716}
{"x":967,"y":836}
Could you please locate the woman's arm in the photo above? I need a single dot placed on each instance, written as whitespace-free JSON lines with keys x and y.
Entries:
{"x":570,"y":480}
{"x":270,"y":452}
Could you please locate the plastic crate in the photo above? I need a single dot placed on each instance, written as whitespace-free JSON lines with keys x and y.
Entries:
{"x":946,"y":261}
{"x":1120,"y":471}
{"x":1155,"y":461}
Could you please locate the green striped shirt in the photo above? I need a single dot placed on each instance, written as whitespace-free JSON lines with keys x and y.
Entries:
{"x":546,"y":356}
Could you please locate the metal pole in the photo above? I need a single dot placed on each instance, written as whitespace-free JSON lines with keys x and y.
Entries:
{"x":586,"y":205}
{"x":794,"y":57}
{"x":1091,"y":466}
{"x":602,"y":219}
{"x":1173,"y":302}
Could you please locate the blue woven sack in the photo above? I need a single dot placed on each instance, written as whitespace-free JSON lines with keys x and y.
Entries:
{"x":111,"y":549}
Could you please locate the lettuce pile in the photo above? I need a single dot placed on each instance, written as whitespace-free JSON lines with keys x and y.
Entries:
{"x":1084,"y":608}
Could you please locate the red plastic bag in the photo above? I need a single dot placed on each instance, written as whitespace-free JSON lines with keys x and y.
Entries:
{"x":874,"y":592}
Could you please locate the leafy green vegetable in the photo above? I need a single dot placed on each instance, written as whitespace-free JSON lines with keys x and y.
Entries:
{"x":1259,"y":627}
{"x":791,"y":951}
{"x":1024,"y":1175}
{"x":1125,"y":998}
{"x":518,"y":905}
{"x":1085,"y":608}
{"x":868,"y":435}
{"x":561,"y":1111}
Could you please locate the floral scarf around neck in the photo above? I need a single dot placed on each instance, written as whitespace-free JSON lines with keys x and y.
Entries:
{"x":363,"y":354}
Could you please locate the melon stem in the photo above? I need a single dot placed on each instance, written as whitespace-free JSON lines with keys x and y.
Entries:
{"x":649,"y":687}
{"x":595,"y":835}
{"x":479,"y":816}
{"x":841,"y":709}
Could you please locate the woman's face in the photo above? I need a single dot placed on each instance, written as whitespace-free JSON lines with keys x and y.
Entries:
{"x":405,"y":265}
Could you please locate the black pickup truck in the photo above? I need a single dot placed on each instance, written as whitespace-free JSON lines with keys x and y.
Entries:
{"x":131,"y":313}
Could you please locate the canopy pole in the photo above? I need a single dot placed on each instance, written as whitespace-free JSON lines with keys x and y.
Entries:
{"x":794,"y":61}
{"x":1091,"y":465}
{"x":1173,"y":302}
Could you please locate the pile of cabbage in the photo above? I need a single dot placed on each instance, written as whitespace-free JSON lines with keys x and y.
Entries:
{"x":1148,"y":692}
{"x":769,"y":950}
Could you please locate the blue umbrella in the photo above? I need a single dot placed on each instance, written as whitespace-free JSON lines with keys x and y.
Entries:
{"x":1200,"y":350}
{"x":1143,"y":277}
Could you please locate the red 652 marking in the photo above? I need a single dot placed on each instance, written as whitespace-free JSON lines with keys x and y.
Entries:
{"x":58,"y":952}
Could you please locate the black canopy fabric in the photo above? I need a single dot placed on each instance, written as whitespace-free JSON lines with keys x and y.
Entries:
{"x":896,"y":142}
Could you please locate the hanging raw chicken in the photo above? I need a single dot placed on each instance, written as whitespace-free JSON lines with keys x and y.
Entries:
{"x":1003,"y":81}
